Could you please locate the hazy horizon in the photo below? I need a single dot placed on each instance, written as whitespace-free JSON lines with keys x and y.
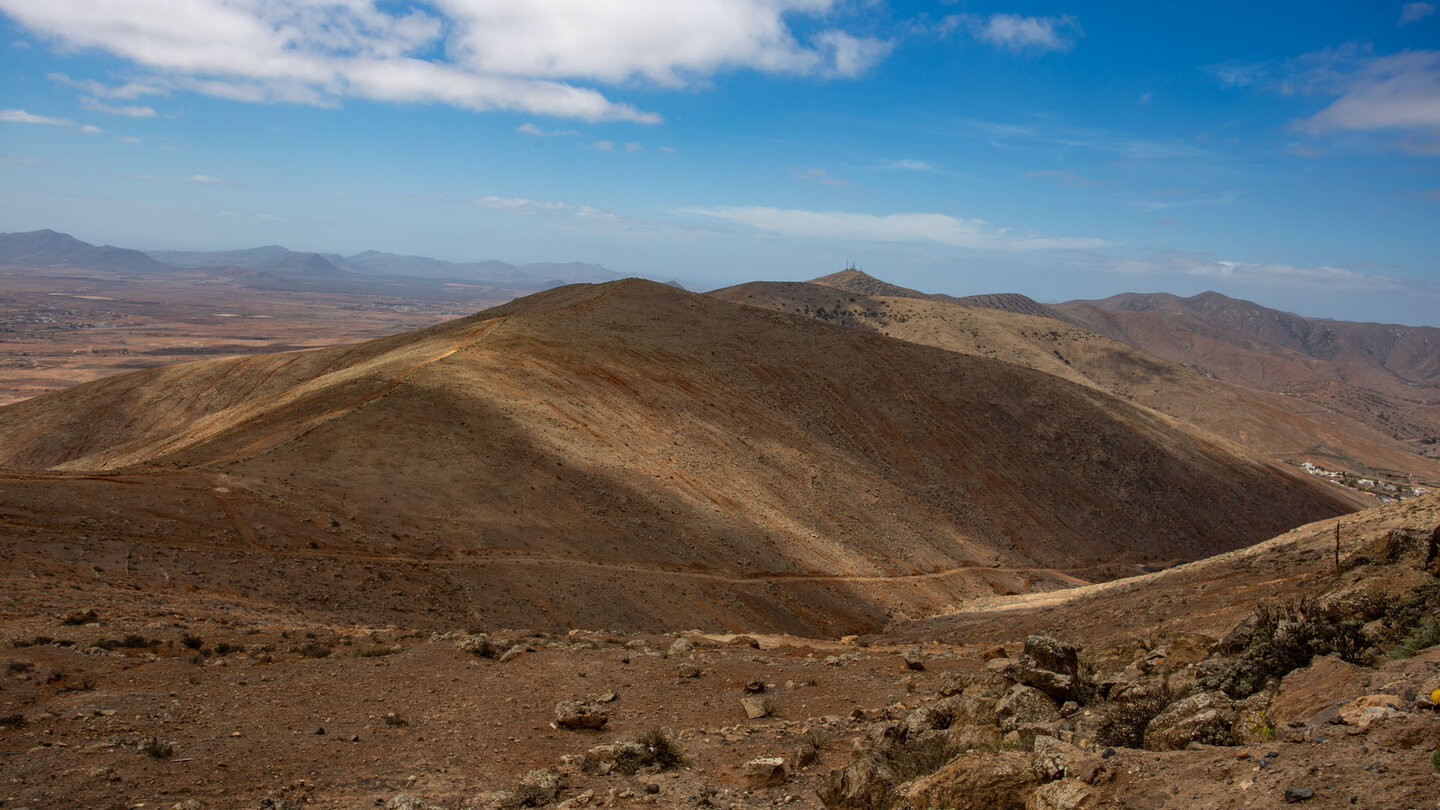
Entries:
{"x":1062,"y":151}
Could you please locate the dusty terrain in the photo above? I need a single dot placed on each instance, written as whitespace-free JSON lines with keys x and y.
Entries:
{"x":1382,"y":375}
{"x":61,"y":327}
{"x":234,"y":685}
{"x":1270,"y":421}
{"x":631,"y":455}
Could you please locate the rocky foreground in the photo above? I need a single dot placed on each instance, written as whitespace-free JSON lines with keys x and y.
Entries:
{"x":1322,"y":690}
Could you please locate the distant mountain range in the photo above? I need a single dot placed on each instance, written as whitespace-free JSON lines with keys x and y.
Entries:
{"x":277,"y":267}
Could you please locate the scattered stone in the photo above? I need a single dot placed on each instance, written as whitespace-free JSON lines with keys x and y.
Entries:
{"x":688,"y":670}
{"x":1294,"y":795}
{"x":994,"y":652}
{"x":402,"y":802}
{"x":763,"y":772}
{"x":745,"y":641}
{"x":680,"y":646}
{"x":1364,"y":710}
{"x":755,"y":707}
{"x":755,"y":687}
{"x":915,"y":658}
{"x":80,"y":617}
{"x":804,"y":755}
{"x":580,"y":714}
{"x":155,"y":747}
{"x":538,"y":788}
{"x":511,"y":654}
{"x":608,"y":697}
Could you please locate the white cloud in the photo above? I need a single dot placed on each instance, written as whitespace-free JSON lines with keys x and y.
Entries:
{"x":133,"y":111}
{"x":205,"y":179}
{"x":22,"y":117}
{"x":1400,"y":92}
{"x":1251,"y":273}
{"x":89,"y":129}
{"x":523,"y":55}
{"x":1414,"y":12}
{"x":633,"y":146}
{"x":603,"y":146}
{"x":818,"y":176}
{"x":1016,"y":33}
{"x":521,"y":205}
{"x":910,"y":227}
{"x":530,"y":129}
{"x":911,"y":165}
{"x":128,"y":139}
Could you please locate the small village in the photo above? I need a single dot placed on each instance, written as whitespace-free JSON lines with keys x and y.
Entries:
{"x":1386,"y":491}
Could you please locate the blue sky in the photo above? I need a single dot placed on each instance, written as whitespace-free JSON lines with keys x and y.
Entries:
{"x":1287,"y":153}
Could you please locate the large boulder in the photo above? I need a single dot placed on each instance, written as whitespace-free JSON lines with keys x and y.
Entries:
{"x":1070,"y":794}
{"x":1025,"y":707}
{"x":887,"y":756}
{"x":975,"y":781}
{"x":1204,"y":718}
{"x":1049,"y":665}
{"x":1313,"y":695}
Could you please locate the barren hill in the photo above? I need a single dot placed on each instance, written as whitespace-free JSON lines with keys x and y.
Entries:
{"x":857,"y":281}
{"x":1270,"y":423}
{"x":1384,"y":375}
{"x":626,"y":455}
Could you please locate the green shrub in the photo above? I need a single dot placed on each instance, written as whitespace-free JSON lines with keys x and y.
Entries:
{"x":314,"y":650}
{"x":192,"y":642}
{"x":1425,"y":635}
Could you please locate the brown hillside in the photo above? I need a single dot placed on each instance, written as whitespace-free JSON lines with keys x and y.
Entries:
{"x":1382,"y":375}
{"x":1276,"y":425}
{"x":857,"y":281}
{"x":626,"y":455}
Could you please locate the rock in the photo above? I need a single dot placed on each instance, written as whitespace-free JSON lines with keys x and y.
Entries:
{"x":755,"y":707}
{"x":1053,"y":655}
{"x":1205,"y":718}
{"x":155,"y":747}
{"x":951,"y":711}
{"x":755,"y":687}
{"x":745,"y":641}
{"x":511,"y":654}
{"x":886,"y":756}
{"x":1238,"y":639}
{"x":1313,"y":695}
{"x":680,"y":646}
{"x":580,"y":714}
{"x":1366,"y":709}
{"x":975,"y":781}
{"x":402,"y":802}
{"x":914,"y":658}
{"x":994,"y":652}
{"x":538,"y":788}
{"x":1025,"y":707}
{"x":1294,"y":795}
{"x":1070,"y":794}
{"x":804,"y":755}
{"x":1051,"y":758}
{"x":763,"y":772}
{"x":688,"y":670}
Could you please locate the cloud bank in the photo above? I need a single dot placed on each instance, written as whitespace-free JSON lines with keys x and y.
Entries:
{"x":534,"y":56}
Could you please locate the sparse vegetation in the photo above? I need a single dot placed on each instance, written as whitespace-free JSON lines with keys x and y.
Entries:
{"x":1124,"y":721}
{"x":654,"y":747}
{"x":1286,"y":636}
{"x":224,"y":648}
{"x":378,"y":651}
{"x":1425,"y":635}
{"x":18,"y":667}
{"x":314,"y":650}
{"x":12,"y":720}
{"x":191,"y":642}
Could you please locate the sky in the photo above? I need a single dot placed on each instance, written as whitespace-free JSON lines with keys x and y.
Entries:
{"x":1285,"y":153}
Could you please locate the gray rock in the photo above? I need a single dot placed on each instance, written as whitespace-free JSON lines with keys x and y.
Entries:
{"x":755,"y":707}
{"x":1025,"y":707}
{"x":763,"y":772}
{"x":580,"y":714}
{"x":1205,"y":718}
